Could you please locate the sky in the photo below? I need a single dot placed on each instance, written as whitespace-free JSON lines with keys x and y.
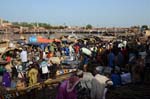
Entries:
{"x":100,"y":13}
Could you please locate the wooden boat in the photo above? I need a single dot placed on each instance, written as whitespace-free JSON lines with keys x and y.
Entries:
{"x":13,"y":93}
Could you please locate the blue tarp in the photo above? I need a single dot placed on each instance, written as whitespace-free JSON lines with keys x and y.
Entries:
{"x":32,"y":39}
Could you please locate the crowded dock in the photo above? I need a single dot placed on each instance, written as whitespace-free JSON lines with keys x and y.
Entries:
{"x":33,"y":62}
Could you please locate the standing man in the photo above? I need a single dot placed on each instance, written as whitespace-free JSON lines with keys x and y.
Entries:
{"x":23,"y":56}
{"x":44,"y":69}
{"x":111,"y":59}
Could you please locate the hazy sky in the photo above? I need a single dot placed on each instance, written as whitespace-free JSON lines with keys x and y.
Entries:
{"x":78,"y":12}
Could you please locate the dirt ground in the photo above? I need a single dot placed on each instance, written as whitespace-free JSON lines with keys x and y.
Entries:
{"x":44,"y":93}
{"x":131,"y":91}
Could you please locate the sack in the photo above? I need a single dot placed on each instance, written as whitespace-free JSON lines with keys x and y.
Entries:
{"x":107,"y":70}
{"x":100,"y":69}
{"x":126,"y":78}
{"x":86,"y":51}
{"x":116,"y":79}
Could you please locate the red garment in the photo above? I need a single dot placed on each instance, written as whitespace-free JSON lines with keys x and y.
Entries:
{"x":124,"y":52}
{"x":76,"y":49}
{"x":50,"y":55}
{"x":8,"y":58}
{"x":99,"y":59}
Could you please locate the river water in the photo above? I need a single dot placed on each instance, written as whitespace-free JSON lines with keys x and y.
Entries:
{"x":13,"y":36}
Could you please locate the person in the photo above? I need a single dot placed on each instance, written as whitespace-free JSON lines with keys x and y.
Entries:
{"x":33,"y":75}
{"x":51,"y":48}
{"x":99,"y":59}
{"x":57,"y":53}
{"x":13,"y":82}
{"x":99,"y":84}
{"x":119,"y":59}
{"x":71,"y":50}
{"x":14,"y":72}
{"x":147,"y":67}
{"x":136,"y":69}
{"x":67,"y":89}
{"x":116,"y":79}
{"x":23,"y":56}
{"x":76,"y":48}
{"x":6,"y":80}
{"x":85,"y":62}
{"x":84,"y":85}
{"x":44,"y":69}
{"x":53,"y":70}
{"x":111,"y":59}
{"x":148,"y":44}
{"x":50,"y":54}
{"x":124,"y":52}
{"x":67,"y":52}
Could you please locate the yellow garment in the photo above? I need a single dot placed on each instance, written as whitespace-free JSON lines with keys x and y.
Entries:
{"x":32,"y":74}
{"x":101,"y":50}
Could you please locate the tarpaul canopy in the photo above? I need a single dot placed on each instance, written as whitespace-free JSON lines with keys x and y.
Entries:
{"x":34,"y":39}
{"x":44,"y":40}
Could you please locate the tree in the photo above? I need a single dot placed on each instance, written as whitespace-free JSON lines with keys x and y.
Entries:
{"x":88,"y":26}
{"x":5,"y":21}
{"x":144,"y":27}
{"x":23,"y":24}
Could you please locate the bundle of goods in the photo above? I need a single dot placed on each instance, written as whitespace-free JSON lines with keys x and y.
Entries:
{"x":64,"y":71}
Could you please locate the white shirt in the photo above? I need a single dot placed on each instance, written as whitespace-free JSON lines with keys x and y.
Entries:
{"x":44,"y":66}
{"x":23,"y":56}
{"x":70,"y":48}
{"x":44,"y":55}
{"x":125,"y":43}
{"x":98,"y":86}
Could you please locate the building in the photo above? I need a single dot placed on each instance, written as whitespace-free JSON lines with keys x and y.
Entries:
{"x":147,"y":33}
{"x":1,"y":22}
{"x":4,"y":23}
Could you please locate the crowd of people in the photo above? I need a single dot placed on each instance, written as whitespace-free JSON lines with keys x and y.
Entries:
{"x":101,"y":64}
{"x":111,"y":64}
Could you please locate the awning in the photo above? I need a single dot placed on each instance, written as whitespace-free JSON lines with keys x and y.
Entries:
{"x":44,"y":40}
